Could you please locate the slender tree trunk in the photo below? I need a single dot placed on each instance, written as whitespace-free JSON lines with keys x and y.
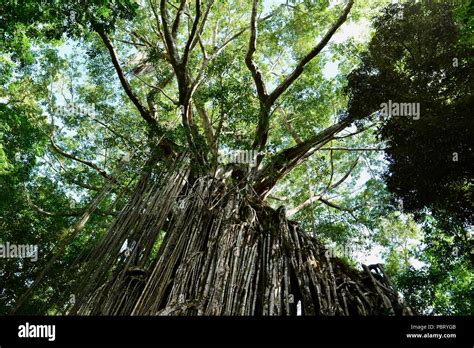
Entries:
{"x":223,"y":253}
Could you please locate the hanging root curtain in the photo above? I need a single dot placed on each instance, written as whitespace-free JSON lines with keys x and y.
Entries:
{"x":208,"y":247}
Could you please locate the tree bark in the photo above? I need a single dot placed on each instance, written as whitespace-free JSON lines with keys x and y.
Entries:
{"x":224,"y":252}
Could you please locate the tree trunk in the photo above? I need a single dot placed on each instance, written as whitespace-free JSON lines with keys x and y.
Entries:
{"x":224,"y":253}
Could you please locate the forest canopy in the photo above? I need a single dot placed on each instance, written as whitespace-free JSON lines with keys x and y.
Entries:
{"x":351,"y":119}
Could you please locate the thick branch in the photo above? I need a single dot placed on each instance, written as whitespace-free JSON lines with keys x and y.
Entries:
{"x":194,"y":29}
{"x":257,"y":76}
{"x":312,"y":54}
{"x":165,"y":145}
{"x":267,"y":101}
{"x":170,"y":43}
{"x":123,"y":80}
{"x":283,"y":162}
{"x":202,"y":25}
{"x":261,"y":133}
{"x":177,"y":19}
{"x":216,"y":53}
{"x":309,"y":201}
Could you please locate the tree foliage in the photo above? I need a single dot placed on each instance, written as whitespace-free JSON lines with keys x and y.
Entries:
{"x":86,"y":82}
{"x":430,"y":158}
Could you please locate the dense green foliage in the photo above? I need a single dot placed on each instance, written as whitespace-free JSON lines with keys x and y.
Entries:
{"x":404,"y":64}
{"x":430,"y":158}
{"x":345,"y":194}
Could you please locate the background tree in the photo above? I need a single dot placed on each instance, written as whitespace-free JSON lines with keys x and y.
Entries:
{"x":430,"y":159}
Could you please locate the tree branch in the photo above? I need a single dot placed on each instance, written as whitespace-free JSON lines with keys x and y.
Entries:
{"x":256,"y":74}
{"x":114,"y":132}
{"x":334,"y":205}
{"x":288,"y":126}
{"x":202,"y":25}
{"x":170,"y":44}
{"x":320,"y":197}
{"x":123,"y":80}
{"x":177,"y":19}
{"x":286,"y":83}
{"x":344,"y":177}
{"x":63,"y":153}
{"x":237,"y":34}
{"x":355,"y":133}
{"x":351,"y":149}
{"x":70,"y":213}
{"x":187,"y":48}
{"x":216,"y":53}
{"x":207,"y":127}
{"x":283,"y":162}
{"x":267,"y":101}
{"x":309,"y":201}
{"x":67,"y":176}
